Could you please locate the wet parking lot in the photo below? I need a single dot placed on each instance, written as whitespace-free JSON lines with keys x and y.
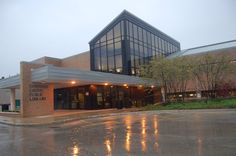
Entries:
{"x":168,"y":133}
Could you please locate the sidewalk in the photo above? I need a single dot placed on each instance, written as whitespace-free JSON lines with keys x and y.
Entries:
{"x":61,"y":116}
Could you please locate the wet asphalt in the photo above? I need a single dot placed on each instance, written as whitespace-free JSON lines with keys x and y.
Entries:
{"x":165,"y":133}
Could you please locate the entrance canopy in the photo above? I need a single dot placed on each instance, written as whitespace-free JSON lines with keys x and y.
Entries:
{"x":11,"y":82}
{"x":53,"y":74}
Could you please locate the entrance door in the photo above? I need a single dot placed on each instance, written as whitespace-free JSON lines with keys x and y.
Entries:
{"x":69,"y":98}
{"x":81,"y":100}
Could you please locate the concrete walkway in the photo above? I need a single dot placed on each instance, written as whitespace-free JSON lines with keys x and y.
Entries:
{"x":61,"y":116}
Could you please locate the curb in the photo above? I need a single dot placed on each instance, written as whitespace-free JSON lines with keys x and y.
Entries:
{"x":30,"y":124}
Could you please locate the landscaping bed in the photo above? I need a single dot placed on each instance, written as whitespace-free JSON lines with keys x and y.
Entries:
{"x":211,"y":104}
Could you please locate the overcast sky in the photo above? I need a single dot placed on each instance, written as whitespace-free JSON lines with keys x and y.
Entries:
{"x":30,"y":29}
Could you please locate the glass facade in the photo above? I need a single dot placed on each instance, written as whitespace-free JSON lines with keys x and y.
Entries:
{"x":100,"y":97}
{"x":107,"y":53}
{"x":145,"y":45}
{"x":127,"y":44}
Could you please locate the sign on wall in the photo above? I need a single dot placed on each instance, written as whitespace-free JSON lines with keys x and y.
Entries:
{"x":36,"y":91}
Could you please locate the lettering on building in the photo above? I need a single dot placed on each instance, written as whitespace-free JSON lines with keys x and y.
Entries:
{"x":36,"y":91}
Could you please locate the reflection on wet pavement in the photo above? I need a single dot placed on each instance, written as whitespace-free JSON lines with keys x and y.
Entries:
{"x":144,"y":133}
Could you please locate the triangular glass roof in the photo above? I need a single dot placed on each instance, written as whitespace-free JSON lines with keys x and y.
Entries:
{"x":125,"y":15}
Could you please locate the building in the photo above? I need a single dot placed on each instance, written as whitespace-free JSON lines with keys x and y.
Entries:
{"x":5,"y":99}
{"x":104,"y":77}
{"x":228,"y":85}
{"x":128,"y":42}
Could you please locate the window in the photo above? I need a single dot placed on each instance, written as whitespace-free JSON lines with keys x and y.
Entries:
{"x":111,"y":65}
{"x":97,"y":62}
{"x":153,"y":52}
{"x":142,"y":44}
{"x":118,"y":59}
{"x":148,"y":38}
{"x":136,"y":61}
{"x":149,"y":52}
{"x":103,"y":58}
{"x":144,"y":36}
{"x":140,"y":34}
{"x":132,"y":60}
{"x":136,"y":49}
{"x":153,"y":40}
{"x":145,"y":52}
{"x":117,"y":48}
{"x":117,"y":39}
{"x":135,"y":31}
{"x":110,"y":50}
{"x":103,"y":39}
{"x":117,"y":32}
{"x":110,"y":54}
{"x":130,"y":29}
{"x":122,"y":28}
{"x":99,"y":99}
{"x":110,"y":35}
{"x":162,"y":45}
{"x":159,"y":44}
{"x":141,"y":51}
{"x":131,"y":47}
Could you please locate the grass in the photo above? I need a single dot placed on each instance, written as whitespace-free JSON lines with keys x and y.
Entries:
{"x":211,"y":104}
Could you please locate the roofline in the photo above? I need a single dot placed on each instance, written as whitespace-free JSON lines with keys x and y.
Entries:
{"x":151,"y":26}
{"x":61,"y":74}
{"x":44,"y":57}
{"x":107,"y":26}
{"x":75,"y":55}
{"x":123,"y":15}
{"x":208,"y":45}
{"x":181,"y":52}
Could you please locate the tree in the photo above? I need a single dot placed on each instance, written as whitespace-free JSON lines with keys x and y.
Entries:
{"x":156,"y":70}
{"x":174,"y":75}
{"x":183,"y":74}
{"x":171,"y":74}
{"x":210,"y":70}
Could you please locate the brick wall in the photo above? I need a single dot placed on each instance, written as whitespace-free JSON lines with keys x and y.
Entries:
{"x":80,"y":61}
{"x":31,"y":107}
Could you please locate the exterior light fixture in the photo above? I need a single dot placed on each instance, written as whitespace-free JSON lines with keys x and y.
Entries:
{"x":118,"y":70}
{"x":125,"y":85}
{"x":140,"y":86}
{"x":152,"y":86}
{"x":73,"y":82}
{"x":105,"y":84}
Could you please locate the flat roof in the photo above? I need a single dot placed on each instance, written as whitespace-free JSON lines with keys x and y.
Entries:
{"x":204,"y":49}
{"x":53,"y":74}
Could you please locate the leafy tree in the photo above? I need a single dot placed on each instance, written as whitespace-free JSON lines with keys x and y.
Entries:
{"x":210,"y":70}
{"x":172,"y":74}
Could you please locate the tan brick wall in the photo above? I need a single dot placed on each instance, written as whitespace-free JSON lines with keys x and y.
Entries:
{"x":48,"y":60}
{"x":31,"y":108}
{"x":80,"y":61}
{"x":231,"y":53}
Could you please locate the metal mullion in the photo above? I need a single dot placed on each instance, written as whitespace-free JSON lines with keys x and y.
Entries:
{"x":100,"y":59}
{"x":106,"y":52}
{"x":114,"y":60}
{"x":138,"y":43}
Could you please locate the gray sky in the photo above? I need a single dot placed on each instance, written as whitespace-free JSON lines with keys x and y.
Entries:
{"x":30,"y":29}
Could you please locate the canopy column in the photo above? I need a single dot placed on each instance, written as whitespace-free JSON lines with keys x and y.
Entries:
{"x":12,"y":99}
